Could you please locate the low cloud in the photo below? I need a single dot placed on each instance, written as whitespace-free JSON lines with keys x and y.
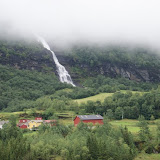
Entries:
{"x":68,"y":21}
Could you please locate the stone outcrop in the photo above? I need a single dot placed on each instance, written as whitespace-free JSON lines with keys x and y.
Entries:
{"x":128,"y":71}
{"x":43,"y":61}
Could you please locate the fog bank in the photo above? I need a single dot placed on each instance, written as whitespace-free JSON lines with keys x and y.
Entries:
{"x":68,"y":21}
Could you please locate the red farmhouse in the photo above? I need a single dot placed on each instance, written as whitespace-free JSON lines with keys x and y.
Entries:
{"x":88,"y":119}
{"x":23,"y":123}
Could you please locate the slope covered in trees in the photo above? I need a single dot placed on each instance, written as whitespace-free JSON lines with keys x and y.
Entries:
{"x":20,"y":88}
{"x":134,"y":63}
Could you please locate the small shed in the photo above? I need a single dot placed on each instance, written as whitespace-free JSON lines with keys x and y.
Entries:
{"x":94,"y":119}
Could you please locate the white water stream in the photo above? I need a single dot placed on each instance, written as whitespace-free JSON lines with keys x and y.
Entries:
{"x":62,"y":72}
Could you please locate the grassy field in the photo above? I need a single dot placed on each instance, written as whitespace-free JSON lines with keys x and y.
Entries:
{"x":144,"y":156}
{"x":6,"y":115}
{"x":97,"y":97}
{"x":102,"y":96}
{"x":131,"y":125}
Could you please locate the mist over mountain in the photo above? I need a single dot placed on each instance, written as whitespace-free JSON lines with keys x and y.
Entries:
{"x":66,"y":22}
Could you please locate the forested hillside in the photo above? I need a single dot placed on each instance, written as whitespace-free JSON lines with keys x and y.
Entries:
{"x":23,"y":54}
{"x":28,"y":75}
{"x":20,"y":88}
{"x":134,"y":63}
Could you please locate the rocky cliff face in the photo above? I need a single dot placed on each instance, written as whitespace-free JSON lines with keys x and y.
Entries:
{"x":42,"y":60}
{"x":128,"y":71}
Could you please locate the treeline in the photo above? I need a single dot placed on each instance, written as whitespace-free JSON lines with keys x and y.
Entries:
{"x":126,"y":105}
{"x":20,"y":88}
{"x":84,"y":142}
{"x":97,"y":55}
{"x":102,"y":84}
{"x":122,"y":104}
{"x":81,"y":143}
{"x":19,"y":48}
{"x":110,"y":85}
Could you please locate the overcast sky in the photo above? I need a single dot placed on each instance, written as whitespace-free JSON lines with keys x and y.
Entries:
{"x":92,"y":20}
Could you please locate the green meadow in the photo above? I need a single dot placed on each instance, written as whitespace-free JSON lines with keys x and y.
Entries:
{"x":98,"y":97}
{"x":102,"y":96}
{"x":144,"y":156}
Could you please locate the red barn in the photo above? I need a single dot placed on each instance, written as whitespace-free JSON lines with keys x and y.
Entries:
{"x":88,"y":119}
{"x":38,"y":118}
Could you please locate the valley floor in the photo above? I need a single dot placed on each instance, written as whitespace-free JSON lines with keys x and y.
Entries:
{"x":129,"y":123}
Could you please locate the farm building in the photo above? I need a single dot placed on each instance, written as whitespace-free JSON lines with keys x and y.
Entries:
{"x":34,"y":124}
{"x":94,"y":119}
{"x":2,"y":123}
{"x":23,"y":123}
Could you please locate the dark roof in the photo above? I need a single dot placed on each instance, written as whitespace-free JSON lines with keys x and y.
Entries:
{"x":89,"y":117}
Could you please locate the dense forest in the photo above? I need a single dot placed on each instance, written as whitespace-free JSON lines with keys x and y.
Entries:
{"x":20,"y":88}
{"x":123,"y":55}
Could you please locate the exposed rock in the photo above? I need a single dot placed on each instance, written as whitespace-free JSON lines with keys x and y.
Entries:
{"x":128,"y":71}
{"x":43,"y":61}
{"x":36,"y":61}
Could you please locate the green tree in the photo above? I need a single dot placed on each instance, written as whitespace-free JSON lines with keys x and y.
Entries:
{"x":144,"y":132}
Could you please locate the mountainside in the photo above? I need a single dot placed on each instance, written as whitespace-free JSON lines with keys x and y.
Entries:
{"x":137,"y":64}
{"x":26,"y":55}
{"x":129,"y":71}
{"x":27,"y":79}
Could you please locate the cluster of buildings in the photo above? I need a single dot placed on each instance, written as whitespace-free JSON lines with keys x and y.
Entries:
{"x":34,"y":124}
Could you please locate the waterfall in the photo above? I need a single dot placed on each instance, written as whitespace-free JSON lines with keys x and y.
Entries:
{"x":62,"y":72}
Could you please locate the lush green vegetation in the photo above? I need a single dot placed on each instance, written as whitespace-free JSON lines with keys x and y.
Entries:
{"x":20,"y":88}
{"x":20,"y":48}
{"x":96,"y":55}
{"x":118,"y":105}
{"x":110,"y":85}
{"x":126,"y":105}
{"x":83,"y":142}
{"x":35,"y":93}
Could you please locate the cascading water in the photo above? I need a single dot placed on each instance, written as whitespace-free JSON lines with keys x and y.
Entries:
{"x":63,"y":74}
